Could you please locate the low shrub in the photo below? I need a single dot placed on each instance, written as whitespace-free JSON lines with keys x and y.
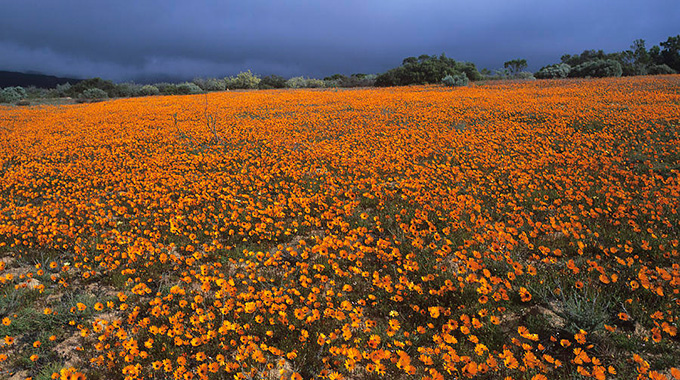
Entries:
{"x":272,"y":81}
{"x":127,"y":90}
{"x":166,"y":88}
{"x":12,"y":94}
{"x":660,"y":70}
{"x":245,"y":80}
{"x":302,"y":82}
{"x":524,"y":75}
{"x":149,"y":90}
{"x":556,"y":71}
{"x":188,"y":88}
{"x":94,"y":93}
{"x":62,"y":90}
{"x":210,"y":84}
{"x":456,"y":80}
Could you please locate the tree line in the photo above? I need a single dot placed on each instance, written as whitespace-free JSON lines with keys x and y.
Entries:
{"x":663,"y":58}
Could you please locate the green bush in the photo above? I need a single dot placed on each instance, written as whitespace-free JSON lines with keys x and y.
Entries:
{"x":660,"y":70}
{"x":188,"y":88}
{"x":302,"y":82}
{"x":105,"y":85}
{"x":210,"y":84}
{"x":244,"y":80}
{"x":456,"y":80}
{"x":166,"y":88}
{"x":149,"y":90}
{"x":524,"y":75}
{"x":12,"y":94}
{"x":272,"y":81}
{"x":93,"y":93}
{"x":426,"y":69}
{"x":127,"y":90}
{"x":296,"y":82}
{"x":314,"y":83}
{"x":598,"y":68}
{"x":354,"y":80}
{"x":63,"y":90}
{"x":556,"y":71}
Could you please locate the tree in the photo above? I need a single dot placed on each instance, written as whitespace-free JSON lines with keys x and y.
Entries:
{"x":670,"y":55}
{"x":640,"y":53}
{"x":409,"y":60}
{"x":655,"y":54}
{"x":516,"y":65}
{"x":598,"y":68}
{"x":585,"y":56}
{"x":426,"y":69}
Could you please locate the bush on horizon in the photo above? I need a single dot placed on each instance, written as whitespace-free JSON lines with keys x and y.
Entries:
{"x":426,"y":70}
{"x":599,"y":68}
{"x":556,"y":71}
{"x":456,"y":80}
{"x":12,"y":94}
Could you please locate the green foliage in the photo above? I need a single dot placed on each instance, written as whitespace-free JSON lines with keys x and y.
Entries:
{"x":354,"y":80}
{"x":585,"y":56}
{"x":635,"y":61}
{"x":166,"y":88}
{"x":127,"y":90}
{"x":99,"y":83}
{"x":302,"y":82}
{"x":63,"y":90}
{"x":94,"y":93}
{"x":210,"y":84}
{"x":426,"y":69}
{"x":524,"y":75}
{"x":33,"y":92}
{"x":12,"y":94}
{"x":47,"y":371}
{"x":314,"y":83}
{"x":149,"y":90}
{"x":639,"y":52}
{"x":582,"y":311}
{"x":598,"y":68}
{"x":244,"y":80}
{"x":670,"y":55}
{"x":296,"y":82}
{"x":558,"y":70}
{"x":456,"y":80}
{"x":188,"y":88}
{"x":516,"y":65}
{"x":272,"y":81}
{"x":662,"y":69}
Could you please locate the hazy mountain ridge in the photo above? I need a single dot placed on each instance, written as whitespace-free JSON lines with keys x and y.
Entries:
{"x":14,"y":78}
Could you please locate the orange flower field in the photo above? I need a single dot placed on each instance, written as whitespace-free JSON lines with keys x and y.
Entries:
{"x":507,"y":230}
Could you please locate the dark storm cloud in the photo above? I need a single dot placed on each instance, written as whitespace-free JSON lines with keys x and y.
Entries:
{"x":129,"y":39}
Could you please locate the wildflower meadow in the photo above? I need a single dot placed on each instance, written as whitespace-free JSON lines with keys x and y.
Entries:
{"x":502,"y":230}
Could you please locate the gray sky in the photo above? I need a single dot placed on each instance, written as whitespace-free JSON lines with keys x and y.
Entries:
{"x":129,"y":39}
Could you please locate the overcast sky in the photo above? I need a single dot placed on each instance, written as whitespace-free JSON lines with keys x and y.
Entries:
{"x":130,"y":39}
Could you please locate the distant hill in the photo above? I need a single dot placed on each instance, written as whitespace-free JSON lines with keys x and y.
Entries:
{"x":13,"y":78}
